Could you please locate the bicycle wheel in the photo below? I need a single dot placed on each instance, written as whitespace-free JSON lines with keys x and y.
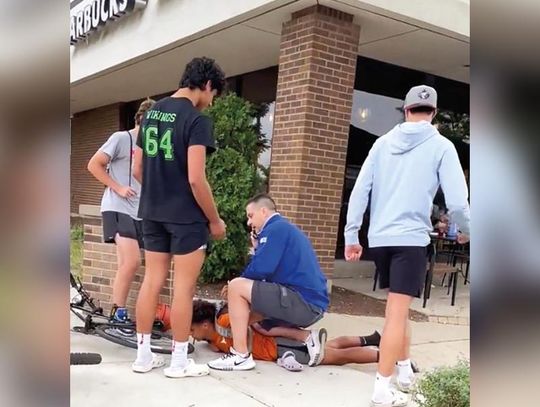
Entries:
{"x":84,"y":358}
{"x":160,"y":343}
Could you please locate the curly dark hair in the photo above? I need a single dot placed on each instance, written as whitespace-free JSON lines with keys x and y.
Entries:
{"x":201,"y":70}
{"x":203,"y":311}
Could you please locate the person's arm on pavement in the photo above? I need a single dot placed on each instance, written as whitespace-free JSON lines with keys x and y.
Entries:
{"x":455,"y":190}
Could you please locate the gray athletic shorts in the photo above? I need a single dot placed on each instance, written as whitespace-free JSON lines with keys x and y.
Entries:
{"x":299,"y":349}
{"x":282,"y":306}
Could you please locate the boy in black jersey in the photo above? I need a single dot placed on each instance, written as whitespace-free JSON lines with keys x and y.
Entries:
{"x":177,"y":207}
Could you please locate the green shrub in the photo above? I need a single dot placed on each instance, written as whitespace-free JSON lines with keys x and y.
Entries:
{"x":444,"y":387}
{"x":232,"y":173}
{"x":76,"y":249}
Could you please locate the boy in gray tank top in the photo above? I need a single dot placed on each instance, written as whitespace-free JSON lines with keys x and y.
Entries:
{"x":112,"y":165}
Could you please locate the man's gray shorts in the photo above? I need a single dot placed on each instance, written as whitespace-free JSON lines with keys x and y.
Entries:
{"x":282,"y":306}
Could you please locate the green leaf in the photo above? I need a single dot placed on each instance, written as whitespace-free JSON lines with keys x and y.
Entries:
{"x":233,"y":174}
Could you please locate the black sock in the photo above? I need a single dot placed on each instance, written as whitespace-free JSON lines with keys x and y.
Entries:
{"x":371,"y":340}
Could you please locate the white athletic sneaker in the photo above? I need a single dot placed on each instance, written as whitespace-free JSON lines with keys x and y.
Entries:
{"x":140,"y":367}
{"x":192,"y":369}
{"x":398,"y":399}
{"x":406,"y":387}
{"x":315,"y":345}
{"x":233,"y":361}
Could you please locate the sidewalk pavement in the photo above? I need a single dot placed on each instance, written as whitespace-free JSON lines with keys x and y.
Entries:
{"x":113,"y":383}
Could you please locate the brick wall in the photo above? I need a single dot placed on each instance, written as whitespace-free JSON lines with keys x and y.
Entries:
{"x":89,"y":130}
{"x":99,"y":268}
{"x":317,"y":66}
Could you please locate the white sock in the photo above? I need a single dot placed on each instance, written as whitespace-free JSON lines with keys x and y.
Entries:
{"x":144,"y":352}
{"x":405,"y":372}
{"x":179,"y":354}
{"x":243,"y":355}
{"x":381,"y":392}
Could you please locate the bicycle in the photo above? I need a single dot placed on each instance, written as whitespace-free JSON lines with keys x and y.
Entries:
{"x":85,"y":308}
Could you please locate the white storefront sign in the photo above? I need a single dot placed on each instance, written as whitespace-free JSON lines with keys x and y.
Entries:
{"x":90,"y":15}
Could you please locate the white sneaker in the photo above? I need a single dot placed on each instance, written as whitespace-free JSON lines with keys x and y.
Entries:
{"x":192,"y":369}
{"x":406,"y":387}
{"x":140,"y":367}
{"x":233,"y":361}
{"x":398,"y":399}
{"x":315,"y":344}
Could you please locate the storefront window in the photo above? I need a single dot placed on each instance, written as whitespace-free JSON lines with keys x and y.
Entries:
{"x":377,"y":107}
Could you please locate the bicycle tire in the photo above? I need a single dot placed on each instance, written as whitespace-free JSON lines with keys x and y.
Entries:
{"x":160,"y":343}
{"x":78,"y":358}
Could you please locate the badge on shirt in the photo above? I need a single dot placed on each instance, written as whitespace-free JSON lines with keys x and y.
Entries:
{"x":263,"y":240}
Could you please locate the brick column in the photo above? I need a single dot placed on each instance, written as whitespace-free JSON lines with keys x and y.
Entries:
{"x":89,"y":130}
{"x":99,"y":269}
{"x":317,"y":66}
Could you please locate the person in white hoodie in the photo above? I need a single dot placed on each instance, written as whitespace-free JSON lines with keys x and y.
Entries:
{"x":402,"y":172}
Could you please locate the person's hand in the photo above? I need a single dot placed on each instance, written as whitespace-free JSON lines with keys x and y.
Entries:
{"x":254,"y":241}
{"x":353,"y":252}
{"x":462,"y":238}
{"x":225,"y":291}
{"x":218,"y":229}
{"x":125,"y":192}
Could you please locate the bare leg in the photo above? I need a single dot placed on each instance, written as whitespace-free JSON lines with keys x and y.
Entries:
{"x":239,"y":301}
{"x":344,"y":342}
{"x":157,"y":268}
{"x":406,"y":348}
{"x":392,"y":342}
{"x":341,"y":357}
{"x":129,"y":261}
{"x":186,"y":271}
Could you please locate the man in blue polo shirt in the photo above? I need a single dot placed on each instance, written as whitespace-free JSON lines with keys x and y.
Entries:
{"x":283,"y":285}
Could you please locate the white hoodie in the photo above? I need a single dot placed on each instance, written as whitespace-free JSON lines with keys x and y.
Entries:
{"x":403,"y":171}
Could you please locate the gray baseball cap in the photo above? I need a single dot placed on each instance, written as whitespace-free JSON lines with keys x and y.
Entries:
{"x":421,"y":95}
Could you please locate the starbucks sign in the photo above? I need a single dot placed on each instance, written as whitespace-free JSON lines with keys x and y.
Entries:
{"x":91,"y":15}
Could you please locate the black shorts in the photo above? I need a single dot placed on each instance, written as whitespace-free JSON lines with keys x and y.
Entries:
{"x":124,"y":225}
{"x":282,"y":306}
{"x":402,"y":269}
{"x":174,"y":238}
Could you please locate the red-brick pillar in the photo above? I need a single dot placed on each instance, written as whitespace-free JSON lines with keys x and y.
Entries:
{"x":100,"y":267}
{"x":317,"y":66}
{"x":89,"y":130}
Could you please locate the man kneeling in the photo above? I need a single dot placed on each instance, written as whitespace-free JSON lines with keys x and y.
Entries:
{"x":283,"y":285}
{"x":213,"y":326}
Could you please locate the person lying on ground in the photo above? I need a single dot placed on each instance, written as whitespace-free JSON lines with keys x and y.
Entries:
{"x":212,"y":325}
